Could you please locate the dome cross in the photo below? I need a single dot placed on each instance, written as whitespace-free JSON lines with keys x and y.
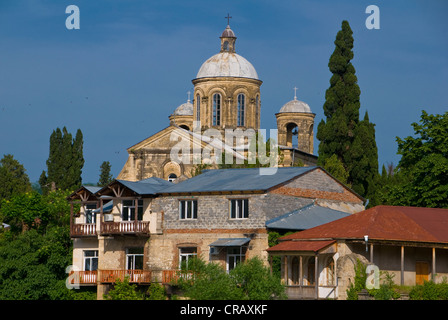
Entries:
{"x":228,"y":18}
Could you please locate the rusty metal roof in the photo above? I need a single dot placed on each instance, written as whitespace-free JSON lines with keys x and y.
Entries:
{"x":384,"y":223}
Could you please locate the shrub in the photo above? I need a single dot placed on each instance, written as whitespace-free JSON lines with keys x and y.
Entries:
{"x":430,"y":291}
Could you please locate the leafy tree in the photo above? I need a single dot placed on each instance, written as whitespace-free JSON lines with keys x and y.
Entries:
{"x":342,"y":134}
{"x":105,"y":175}
{"x":25,"y":211}
{"x":32,"y":265}
{"x":65,"y":161}
{"x":209,"y":281}
{"x":249,"y":280}
{"x":123,"y":290}
{"x":13,"y":177}
{"x":421,"y":177}
{"x":256,"y":281}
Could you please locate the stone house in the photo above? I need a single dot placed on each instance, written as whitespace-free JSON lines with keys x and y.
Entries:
{"x":149,"y":228}
{"x":409,"y":243}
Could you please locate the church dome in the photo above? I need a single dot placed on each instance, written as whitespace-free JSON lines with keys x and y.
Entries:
{"x":185,"y":109}
{"x":227,"y":64}
{"x":296,"y":106}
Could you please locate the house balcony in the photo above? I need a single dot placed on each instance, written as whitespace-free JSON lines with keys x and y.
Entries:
{"x":110,"y":276}
{"x":139,"y":228}
{"x":83,"y":230}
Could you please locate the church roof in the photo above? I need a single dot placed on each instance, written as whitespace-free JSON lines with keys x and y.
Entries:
{"x":227,"y":64}
{"x":185,"y":109}
{"x":296,"y":106}
{"x":226,"y":180}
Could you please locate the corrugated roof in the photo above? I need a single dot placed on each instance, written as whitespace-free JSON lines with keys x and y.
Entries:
{"x":306,"y":217}
{"x":313,"y":246}
{"x":148,"y":186}
{"x":385,"y":223}
{"x":229,"y":242}
{"x":247,"y":179}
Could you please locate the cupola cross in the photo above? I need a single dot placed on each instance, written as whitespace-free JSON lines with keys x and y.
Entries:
{"x":228,"y":19}
{"x":295,"y":93}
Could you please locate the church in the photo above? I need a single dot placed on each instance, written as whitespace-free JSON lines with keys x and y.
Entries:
{"x":226,"y":98}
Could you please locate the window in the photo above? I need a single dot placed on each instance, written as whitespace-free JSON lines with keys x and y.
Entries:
{"x":128,"y":210}
{"x":216,"y":109}
{"x":172,"y":177}
{"x":235,"y":255}
{"x":241,"y":106}
{"x":239,"y":208}
{"x":90,"y":260}
{"x":257,"y":107}
{"x":226,"y":46}
{"x":185,"y":255}
{"x":134,"y":259}
{"x":198,"y":108}
{"x":90,"y":215}
{"x":188,"y":209}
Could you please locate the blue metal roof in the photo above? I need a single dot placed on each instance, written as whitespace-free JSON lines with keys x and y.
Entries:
{"x":224,"y":180}
{"x":305,"y":218}
{"x":148,"y":186}
{"x":92,"y":189}
{"x":229,"y":242}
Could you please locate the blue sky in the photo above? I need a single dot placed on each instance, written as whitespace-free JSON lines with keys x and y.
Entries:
{"x":131,"y":63}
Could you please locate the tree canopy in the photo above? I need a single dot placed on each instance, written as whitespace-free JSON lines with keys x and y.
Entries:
{"x":13,"y":177}
{"x":421,"y":177}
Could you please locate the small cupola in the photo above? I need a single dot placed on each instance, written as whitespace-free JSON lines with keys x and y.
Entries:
{"x":228,"y":39}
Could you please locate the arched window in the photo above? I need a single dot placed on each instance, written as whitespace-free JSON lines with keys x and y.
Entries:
{"x":216,"y":121}
{"x":198,"y":108}
{"x":225,"y":46}
{"x":172,"y":177}
{"x":292,"y":135}
{"x":241,"y":107}
{"x":257,"y":108}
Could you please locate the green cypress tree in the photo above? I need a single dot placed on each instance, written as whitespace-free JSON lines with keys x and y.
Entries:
{"x":65,"y":161}
{"x":342,"y":134}
{"x":363,"y":155}
{"x":105,"y":175}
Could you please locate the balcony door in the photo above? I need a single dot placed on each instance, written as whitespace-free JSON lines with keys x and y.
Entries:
{"x":134,"y":261}
{"x":128,"y":210}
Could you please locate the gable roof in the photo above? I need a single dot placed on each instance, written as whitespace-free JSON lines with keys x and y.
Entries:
{"x":150,"y":186}
{"x":84,"y":191}
{"x":306,"y":217}
{"x":245,"y":179}
{"x":384,"y":223}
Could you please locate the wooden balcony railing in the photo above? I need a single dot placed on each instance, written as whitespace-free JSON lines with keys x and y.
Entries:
{"x":134,"y":276}
{"x":83,"y":277}
{"x":125,"y":227}
{"x":83,"y":229}
{"x":172,"y":276}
